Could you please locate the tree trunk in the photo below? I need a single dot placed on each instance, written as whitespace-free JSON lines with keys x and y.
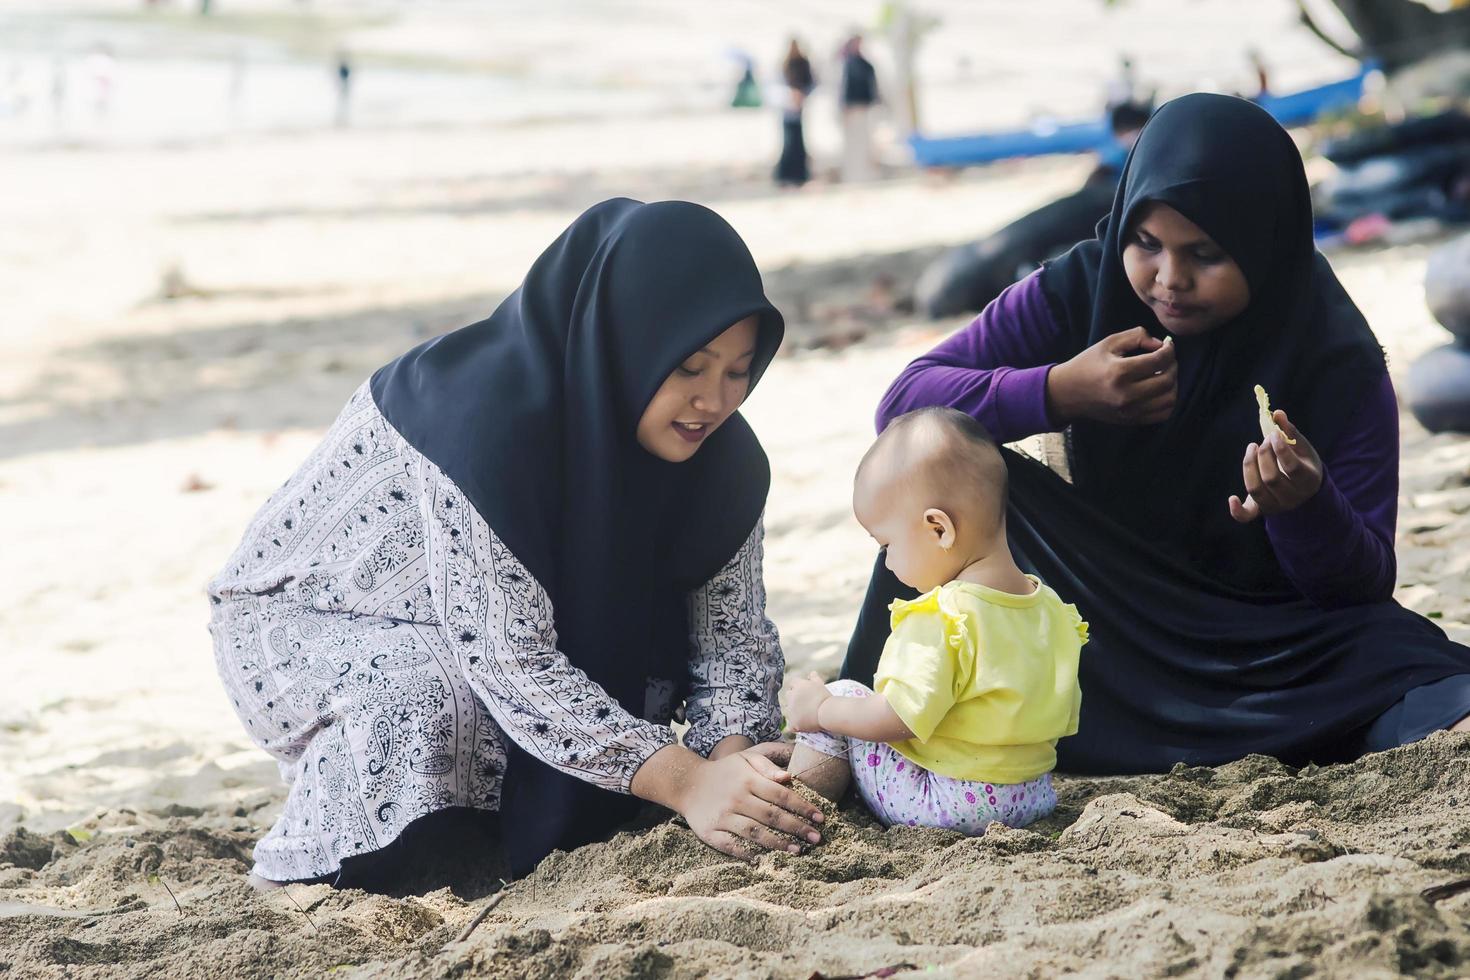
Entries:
{"x":1401,"y":32}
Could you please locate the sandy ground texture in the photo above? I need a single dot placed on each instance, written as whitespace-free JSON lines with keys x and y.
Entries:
{"x":184,"y":316}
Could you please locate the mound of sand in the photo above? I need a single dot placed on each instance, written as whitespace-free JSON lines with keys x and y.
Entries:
{"x":1249,"y":869}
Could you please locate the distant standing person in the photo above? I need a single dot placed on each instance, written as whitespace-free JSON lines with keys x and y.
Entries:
{"x":1123,"y":88}
{"x":858,"y":95}
{"x":344,"y":87}
{"x":793,"y":170}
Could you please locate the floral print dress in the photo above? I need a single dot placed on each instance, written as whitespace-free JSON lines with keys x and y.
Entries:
{"x":380,"y":641}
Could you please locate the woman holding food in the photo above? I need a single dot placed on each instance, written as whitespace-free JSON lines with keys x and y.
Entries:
{"x":1236,"y":565}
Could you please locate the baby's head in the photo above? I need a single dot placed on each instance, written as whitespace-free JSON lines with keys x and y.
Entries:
{"x":932,"y":492}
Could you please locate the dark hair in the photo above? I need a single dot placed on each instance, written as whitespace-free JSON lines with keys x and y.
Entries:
{"x":1127,"y":117}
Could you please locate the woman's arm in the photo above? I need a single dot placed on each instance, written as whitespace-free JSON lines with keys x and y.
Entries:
{"x":736,"y":665}
{"x":1338,"y":547}
{"x":498,"y":622}
{"x":994,"y":369}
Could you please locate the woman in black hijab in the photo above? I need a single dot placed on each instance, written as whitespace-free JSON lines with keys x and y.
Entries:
{"x":1237,"y":604}
{"x":523,"y":548}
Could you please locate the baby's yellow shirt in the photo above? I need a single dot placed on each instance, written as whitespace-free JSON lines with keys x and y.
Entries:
{"x":986,"y":680}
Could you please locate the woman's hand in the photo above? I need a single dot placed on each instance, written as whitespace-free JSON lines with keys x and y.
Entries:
{"x":1130,"y":378}
{"x":777,"y":752}
{"x":741,"y":806}
{"x":805,"y":699}
{"x":1278,"y":476}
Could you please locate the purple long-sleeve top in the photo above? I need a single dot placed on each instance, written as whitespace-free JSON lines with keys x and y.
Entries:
{"x":1337,"y":548}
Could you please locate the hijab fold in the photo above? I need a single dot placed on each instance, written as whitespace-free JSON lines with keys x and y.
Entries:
{"x":533,"y":413}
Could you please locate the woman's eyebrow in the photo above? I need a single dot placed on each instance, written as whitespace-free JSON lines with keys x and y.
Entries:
{"x":1196,"y":243}
{"x":706,"y":350}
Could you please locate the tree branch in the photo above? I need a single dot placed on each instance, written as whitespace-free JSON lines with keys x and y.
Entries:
{"x":1311,"y":24}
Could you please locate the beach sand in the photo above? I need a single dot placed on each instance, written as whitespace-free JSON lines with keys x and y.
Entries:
{"x":185,"y":318}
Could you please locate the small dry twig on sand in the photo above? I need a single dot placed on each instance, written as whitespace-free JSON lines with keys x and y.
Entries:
{"x":303,"y":911}
{"x":495,"y":900}
{"x":171,"y":895}
{"x":158,"y":879}
{"x":1449,"y":889}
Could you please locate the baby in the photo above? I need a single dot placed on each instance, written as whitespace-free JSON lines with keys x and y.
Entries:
{"x":978,"y":679}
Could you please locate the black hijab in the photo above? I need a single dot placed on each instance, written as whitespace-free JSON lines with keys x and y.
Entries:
{"x":533,"y":414}
{"x":1227,"y":166}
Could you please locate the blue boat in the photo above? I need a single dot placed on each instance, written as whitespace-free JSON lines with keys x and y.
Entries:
{"x":1292,"y":109}
{"x":959,"y":151}
{"x":1300,"y":108}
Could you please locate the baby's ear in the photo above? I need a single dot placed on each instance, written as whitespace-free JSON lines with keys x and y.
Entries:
{"x":940,"y":525}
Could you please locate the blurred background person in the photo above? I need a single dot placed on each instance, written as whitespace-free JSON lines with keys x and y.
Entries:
{"x":1120,"y":88}
{"x":747,"y":90}
{"x":793,"y":168}
{"x":1124,"y":89}
{"x":856,"y":98}
{"x":344,"y":87}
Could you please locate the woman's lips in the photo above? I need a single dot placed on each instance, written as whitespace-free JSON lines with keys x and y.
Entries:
{"x":1176,"y":310}
{"x":692,"y":431}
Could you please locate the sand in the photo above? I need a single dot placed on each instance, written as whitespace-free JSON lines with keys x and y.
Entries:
{"x":1251,"y":869}
{"x":184,"y":317}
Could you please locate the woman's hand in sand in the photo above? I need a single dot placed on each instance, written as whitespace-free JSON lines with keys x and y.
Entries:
{"x":741,"y":805}
{"x":804,"y":701}
{"x":1130,"y":378}
{"x":777,"y":752}
{"x":1278,"y":476}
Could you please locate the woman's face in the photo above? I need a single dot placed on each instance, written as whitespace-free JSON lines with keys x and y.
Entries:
{"x":700,"y":395}
{"x":1188,"y":281}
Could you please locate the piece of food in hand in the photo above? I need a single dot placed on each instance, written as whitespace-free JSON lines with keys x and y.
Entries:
{"x":1268,"y":421}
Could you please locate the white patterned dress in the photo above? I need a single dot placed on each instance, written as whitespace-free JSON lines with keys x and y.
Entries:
{"x":381,"y":642}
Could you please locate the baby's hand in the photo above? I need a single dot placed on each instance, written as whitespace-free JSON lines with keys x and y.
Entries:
{"x":807,"y":695}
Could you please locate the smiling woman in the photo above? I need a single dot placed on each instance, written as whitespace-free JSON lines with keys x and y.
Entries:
{"x":700,"y":395}
{"x":523,"y":547}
